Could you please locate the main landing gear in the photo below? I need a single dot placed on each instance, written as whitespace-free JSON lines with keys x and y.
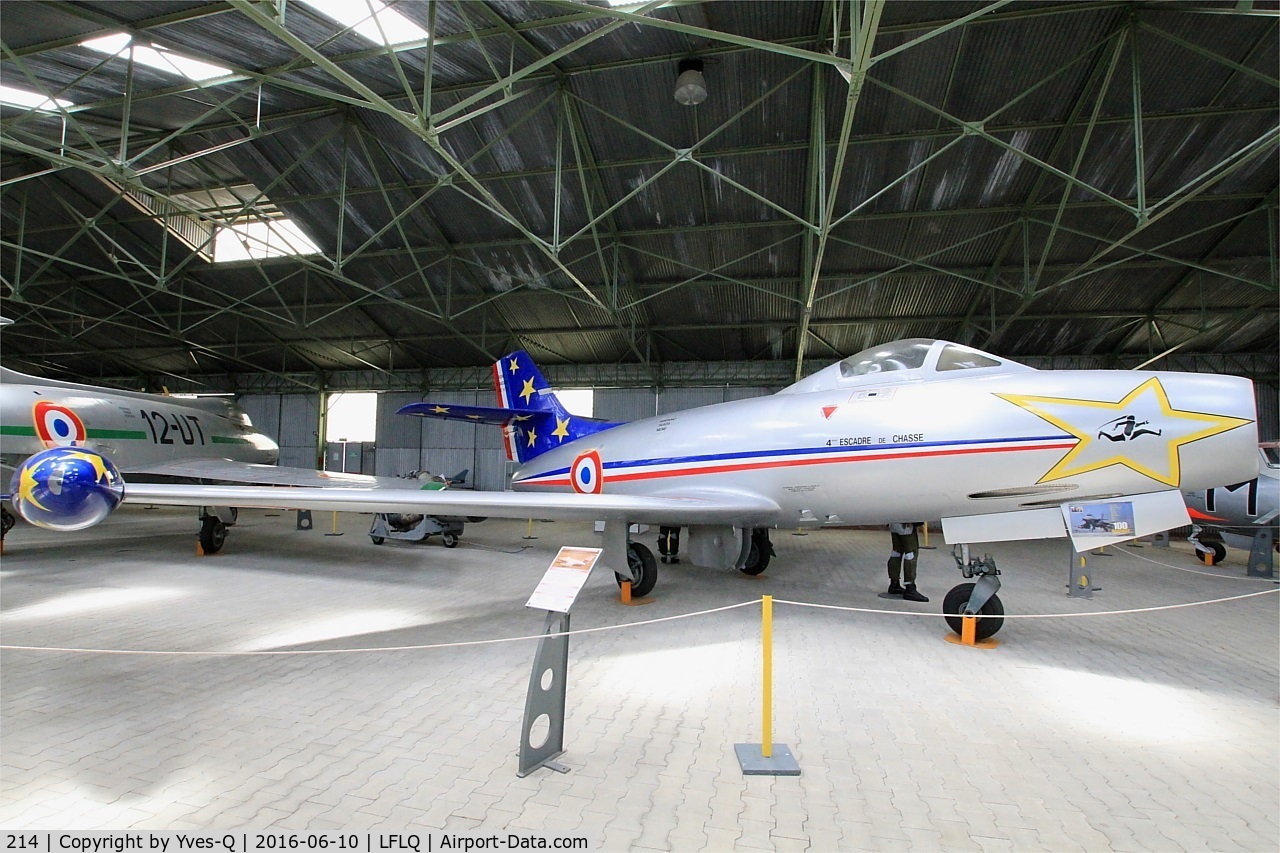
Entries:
{"x":760,"y":553}
{"x":214,"y":521}
{"x":975,"y":598}
{"x":644,"y":570}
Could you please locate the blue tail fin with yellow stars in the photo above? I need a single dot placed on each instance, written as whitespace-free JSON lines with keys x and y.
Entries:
{"x":533,"y":421}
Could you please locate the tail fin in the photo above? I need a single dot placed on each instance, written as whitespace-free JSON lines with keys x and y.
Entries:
{"x":542,"y":422}
{"x":533,"y":421}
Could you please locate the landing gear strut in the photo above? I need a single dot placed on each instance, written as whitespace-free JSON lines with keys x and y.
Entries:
{"x":644,"y":570}
{"x":760,"y":553}
{"x":212,"y":534}
{"x":978,"y":598}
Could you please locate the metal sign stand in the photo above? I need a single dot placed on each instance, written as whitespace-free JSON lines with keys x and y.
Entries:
{"x":1079,"y":581}
{"x":1261,"y":562}
{"x":546,"y":699}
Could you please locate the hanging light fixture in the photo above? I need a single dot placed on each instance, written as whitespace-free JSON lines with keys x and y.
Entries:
{"x":691,"y":86}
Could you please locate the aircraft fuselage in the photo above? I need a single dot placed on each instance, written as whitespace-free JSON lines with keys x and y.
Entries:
{"x":132,"y":429}
{"x":865,"y":453}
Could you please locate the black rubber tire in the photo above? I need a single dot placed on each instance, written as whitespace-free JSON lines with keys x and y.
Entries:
{"x":213,"y":533}
{"x":1219,"y":552}
{"x":958,"y":597}
{"x":449,"y":540}
{"x":377,"y":540}
{"x":476,"y":519}
{"x":644,"y":570}
{"x":8,"y":521}
{"x":761,"y":552}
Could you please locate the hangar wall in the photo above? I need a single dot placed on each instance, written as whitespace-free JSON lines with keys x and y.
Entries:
{"x":405,"y":444}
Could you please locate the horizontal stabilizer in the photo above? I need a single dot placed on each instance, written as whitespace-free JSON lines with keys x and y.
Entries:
{"x":533,"y":420}
{"x":475,"y":414}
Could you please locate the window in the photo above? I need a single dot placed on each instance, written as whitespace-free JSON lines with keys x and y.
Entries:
{"x":956,"y":357}
{"x":351,"y":417}
{"x":260,"y":238}
{"x":31,"y":100}
{"x":899,"y":355}
{"x":371,"y":19}
{"x":154,"y":56}
{"x":579,"y":401}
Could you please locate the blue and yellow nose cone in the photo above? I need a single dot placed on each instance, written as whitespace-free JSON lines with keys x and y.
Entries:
{"x":66,"y":488}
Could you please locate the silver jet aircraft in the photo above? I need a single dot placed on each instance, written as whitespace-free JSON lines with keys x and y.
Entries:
{"x":1236,"y":511}
{"x":152,"y":436}
{"x":911,"y":430}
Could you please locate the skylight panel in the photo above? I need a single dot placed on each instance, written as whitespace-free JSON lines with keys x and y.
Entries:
{"x":154,"y":56}
{"x":372,"y":19}
{"x":32,"y":100}
{"x":260,"y":238}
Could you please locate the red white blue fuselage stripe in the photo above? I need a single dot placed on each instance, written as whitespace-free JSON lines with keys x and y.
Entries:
{"x":621,"y":471}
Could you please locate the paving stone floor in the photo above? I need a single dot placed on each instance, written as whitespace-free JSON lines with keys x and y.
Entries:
{"x":1148,"y":731}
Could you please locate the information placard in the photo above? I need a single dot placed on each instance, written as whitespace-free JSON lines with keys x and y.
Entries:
{"x":564,"y":579}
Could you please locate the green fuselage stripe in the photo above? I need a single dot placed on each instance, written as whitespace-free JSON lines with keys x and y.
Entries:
{"x":227,"y":439}
{"x":116,"y":433}
{"x":18,"y":430}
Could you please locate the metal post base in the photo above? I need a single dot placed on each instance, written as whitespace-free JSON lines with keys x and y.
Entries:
{"x":780,"y":763}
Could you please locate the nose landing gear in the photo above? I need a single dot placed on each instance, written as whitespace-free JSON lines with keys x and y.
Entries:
{"x":975,"y":599}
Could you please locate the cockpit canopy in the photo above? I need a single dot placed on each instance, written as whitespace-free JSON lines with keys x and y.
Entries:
{"x":908,"y":360}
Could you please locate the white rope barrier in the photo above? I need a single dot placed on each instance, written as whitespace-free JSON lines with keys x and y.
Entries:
{"x":1034,"y":615}
{"x":1130,"y":552}
{"x":425,"y":646}
{"x":603,"y":628}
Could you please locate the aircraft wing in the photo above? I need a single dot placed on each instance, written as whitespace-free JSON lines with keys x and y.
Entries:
{"x":231,"y":471}
{"x":709,"y":507}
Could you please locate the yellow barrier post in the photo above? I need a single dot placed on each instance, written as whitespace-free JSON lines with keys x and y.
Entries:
{"x":335,"y":526}
{"x":530,"y":535}
{"x":759,"y":759}
{"x":766,"y":632}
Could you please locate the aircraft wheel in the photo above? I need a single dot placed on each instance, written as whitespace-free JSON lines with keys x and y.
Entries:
{"x":8,"y":521}
{"x":1217,"y":548}
{"x":644,"y":570}
{"x":958,"y":597}
{"x":449,"y":540}
{"x":476,"y":519}
{"x":212,"y":534}
{"x":377,"y":540}
{"x":760,"y":554}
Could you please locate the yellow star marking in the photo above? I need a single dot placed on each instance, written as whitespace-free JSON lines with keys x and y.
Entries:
{"x":527,"y":391}
{"x":533,"y":436}
{"x":1176,"y":427}
{"x":441,"y":410}
{"x":99,"y":469}
{"x":26,"y":487}
{"x":514,"y":365}
{"x":562,"y":429}
{"x":523,"y":417}
{"x":473,"y":417}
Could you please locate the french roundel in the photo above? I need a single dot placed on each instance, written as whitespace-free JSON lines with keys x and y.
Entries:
{"x":57,"y":425}
{"x":587,"y":474}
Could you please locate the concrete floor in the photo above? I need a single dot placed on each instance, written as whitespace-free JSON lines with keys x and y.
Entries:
{"x":1149,"y":731}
